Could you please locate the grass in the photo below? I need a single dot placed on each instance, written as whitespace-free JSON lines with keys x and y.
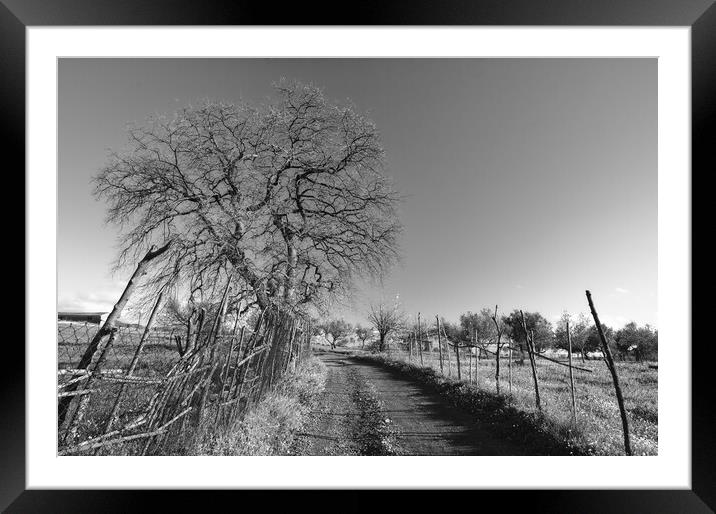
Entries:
{"x":270,"y":427}
{"x":598,"y":430}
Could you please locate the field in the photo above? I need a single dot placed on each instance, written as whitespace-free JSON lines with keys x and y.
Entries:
{"x":599,"y":429}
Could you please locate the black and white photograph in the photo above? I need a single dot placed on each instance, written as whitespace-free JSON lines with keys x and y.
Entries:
{"x":357,"y":257}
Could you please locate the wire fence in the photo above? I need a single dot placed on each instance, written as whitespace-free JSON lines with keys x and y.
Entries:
{"x":578,"y":394}
{"x":136,"y":393}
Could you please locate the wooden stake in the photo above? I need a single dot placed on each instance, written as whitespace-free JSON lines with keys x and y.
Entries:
{"x":571,"y":378}
{"x":477,"y":366}
{"x":509,"y":370}
{"x":457,"y":354}
{"x":420,"y":342}
{"x":109,"y":324}
{"x":530,"y":351}
{"x":440,"y":344}
{"x":497,"y":351}
{"x":133,"y":363}
{"x":613,"y":371}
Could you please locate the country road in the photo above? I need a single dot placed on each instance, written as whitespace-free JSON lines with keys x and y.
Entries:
{"x":367,"y":409}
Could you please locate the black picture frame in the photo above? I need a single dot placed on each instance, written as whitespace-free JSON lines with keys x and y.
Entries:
{"x":700,"y":15}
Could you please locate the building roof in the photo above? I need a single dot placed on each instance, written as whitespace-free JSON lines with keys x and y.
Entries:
{"x":67,"y":313}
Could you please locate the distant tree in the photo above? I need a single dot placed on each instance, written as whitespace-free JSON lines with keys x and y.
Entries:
{"x":578,"y":330}
{"x":386,"y":320}
{"x":453,"y":331}
{"x":189,"y":322}
{"x":641,"y":341}
{"x":364,"y":334}
{"x":338,"y":329}
{"x":536,"y":323}
{"x":478,"y":327}
{"x":592,"y":341}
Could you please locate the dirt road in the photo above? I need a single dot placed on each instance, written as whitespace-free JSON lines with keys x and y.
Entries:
{"x":367,"y":409}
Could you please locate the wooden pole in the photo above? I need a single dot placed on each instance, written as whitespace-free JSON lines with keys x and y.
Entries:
{"x":571,"y":378}
{"x":509,"y":370}
{"x":530,"y":351}
{"x":447,"y":352}
{"x":133,"y":363}
{"x":109,"y":324}
{"x":420,"y":342}
{"x":457,"y":356}
{"x":410,"y":346}
{"x":613,"y":371}
{"x":477,"y":366}
{"x":212,"y":340}
{"x":76,"y":421}
{"x":497,"y":351}
{"x":440,"y":345}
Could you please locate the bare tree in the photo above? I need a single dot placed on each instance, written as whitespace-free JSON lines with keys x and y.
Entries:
{"x":386,"y":320}
{"x":499,"y":329}
{"x":289,"y":197}
{"x":338,"y":328}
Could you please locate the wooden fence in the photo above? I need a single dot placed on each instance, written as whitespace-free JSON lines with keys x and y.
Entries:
{"x":137,"y":395}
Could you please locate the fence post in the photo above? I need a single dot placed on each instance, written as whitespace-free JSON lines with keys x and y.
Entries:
{"x":571,"y":377}
{"x":497,"y":351}
{"x":108,"y":325}
{"x":509,"y":367}
{"x":613,"y":371}
{"x":457,"y":353}
{"x":410,"y":346}
{"x":212,"y":341}
{"x":530,"y":351}
{"x":447,"y":352}
{"x":477,"y":367}
{"x":440,"y":345}
{"x":84,"y":400}
{"x":227,"y":364}
{"x":420,"y":342}
{"x":134,"y":362}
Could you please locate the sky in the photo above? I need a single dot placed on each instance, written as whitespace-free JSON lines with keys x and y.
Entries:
{"x":527,"y":181}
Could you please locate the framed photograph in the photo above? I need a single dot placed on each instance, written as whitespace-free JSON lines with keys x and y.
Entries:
{"x":432,"y":249}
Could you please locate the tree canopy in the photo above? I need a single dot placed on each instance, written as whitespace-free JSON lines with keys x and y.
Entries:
{"x":289,"y":199}
{"x":538,"y":324}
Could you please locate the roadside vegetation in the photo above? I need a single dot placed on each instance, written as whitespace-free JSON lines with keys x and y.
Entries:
{"x":270,"y":427}
{"x":551,"y":432}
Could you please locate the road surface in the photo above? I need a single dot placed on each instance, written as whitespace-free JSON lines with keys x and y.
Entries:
{"x":367,"y":409}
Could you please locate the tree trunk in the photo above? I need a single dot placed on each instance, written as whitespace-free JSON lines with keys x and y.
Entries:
{"x":290,"y":285}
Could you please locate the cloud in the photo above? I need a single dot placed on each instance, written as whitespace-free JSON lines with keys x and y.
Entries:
{"x":621,"y":290}
{"x":97,"y":301}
